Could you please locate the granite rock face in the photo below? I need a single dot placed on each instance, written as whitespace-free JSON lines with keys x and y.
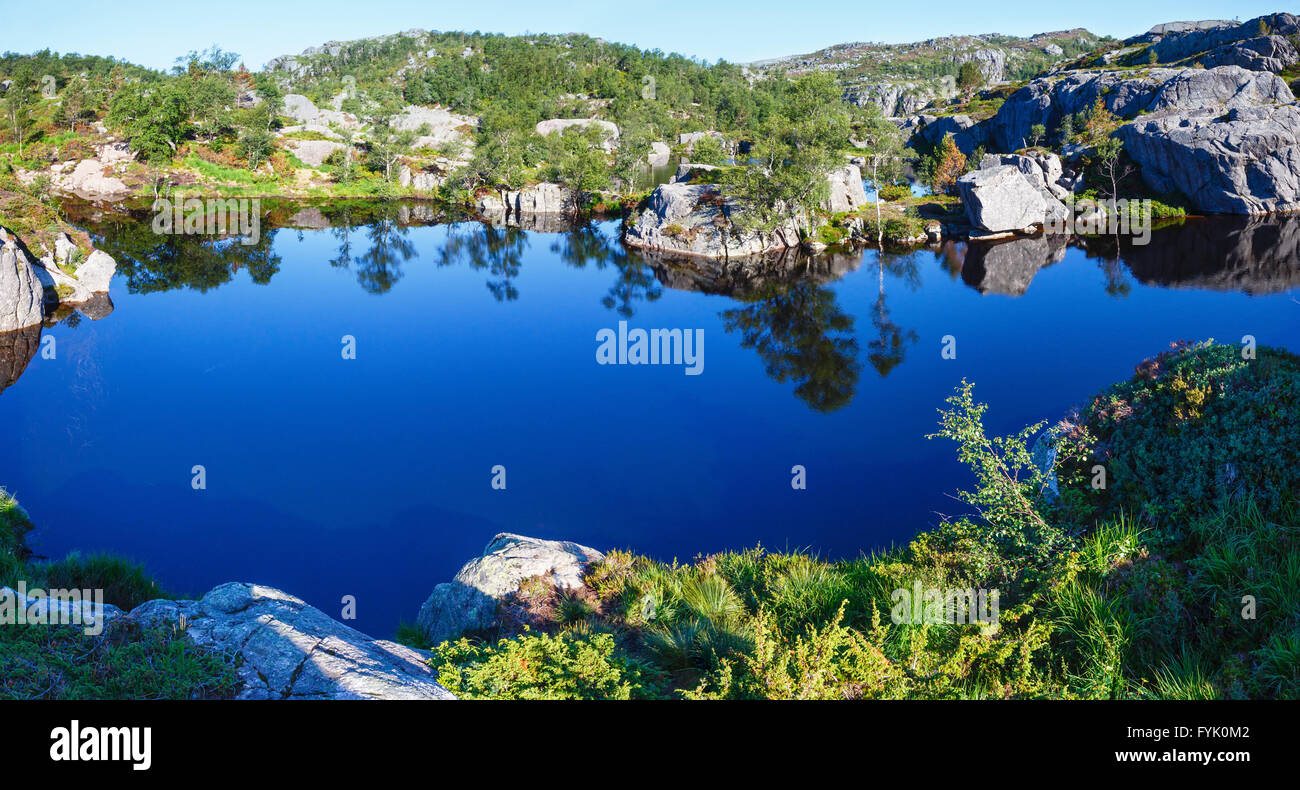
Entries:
{"x":1003,"y":199}
{"x":470,"y":601}
{"x":846,"y":191}
{"x":696,"y":220}
{"x":1246,"y":161}
{"x":1047,"y":101}
{"x":1179,"y":43}
{"x":22,"y":301}
{"x":290,"y":650}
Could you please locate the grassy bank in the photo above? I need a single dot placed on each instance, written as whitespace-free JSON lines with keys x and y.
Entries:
{"x":126,"y":662}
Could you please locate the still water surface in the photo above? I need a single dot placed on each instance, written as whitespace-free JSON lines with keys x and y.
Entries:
{"x":475,"y":347}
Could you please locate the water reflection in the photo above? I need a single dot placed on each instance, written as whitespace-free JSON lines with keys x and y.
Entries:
{"x":886,"y":351}
{"x":801,"y":335}
{"x":17,"y":349}
{"x":784,"y":309}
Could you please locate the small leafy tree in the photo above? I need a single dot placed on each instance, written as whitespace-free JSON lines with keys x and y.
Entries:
{"x":950,"y":164}
{"x":1037,"y":133}
{"x":970,"y":77}
{"x":884,"y":153}
{"x":1109,"y":163}
{"x":1010,"y":493}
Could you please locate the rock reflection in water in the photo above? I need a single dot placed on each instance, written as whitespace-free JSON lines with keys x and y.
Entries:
{"x":1259,"y":255}
{"x":17,"y":349}
{"x":1007,"y":267}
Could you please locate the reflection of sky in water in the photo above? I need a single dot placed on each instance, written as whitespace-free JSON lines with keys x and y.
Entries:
{"x":476,"y":346}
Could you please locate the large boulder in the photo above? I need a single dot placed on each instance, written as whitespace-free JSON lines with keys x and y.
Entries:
{"x":304,"y":111}
{"x":690,"y":171}
{"x":22,"y":300}
{"x":846,"y":192}
{"x":1244,"y":162}
{"x":659,"y":154}
{"x":469,"y":603}
{"x":1002,"y":199}
{"x":543,"y":198}
{"x":289,"y":650}
{"x":97,"y":271}
{"x":314,"y":152}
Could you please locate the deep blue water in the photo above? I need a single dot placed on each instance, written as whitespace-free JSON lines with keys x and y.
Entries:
{"x":476,"y":347}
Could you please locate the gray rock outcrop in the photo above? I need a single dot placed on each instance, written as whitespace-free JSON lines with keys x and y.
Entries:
{"x":314,"y":152}
{"x":97,"y":271}
{"x":696,"y":220}
{"x":22,"y":300}
{"x":1180,"y":41}
{"x":469,"y":603}
{"x":846,"y":191}
{"x":543,"y":198}
{"x":1244,"y":162}
{"x":290,"y":650}
{"x":659,"y":154}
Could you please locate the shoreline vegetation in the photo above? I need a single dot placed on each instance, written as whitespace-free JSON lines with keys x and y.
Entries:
{"x":1176,"y":580}
{"x":571,"y":125}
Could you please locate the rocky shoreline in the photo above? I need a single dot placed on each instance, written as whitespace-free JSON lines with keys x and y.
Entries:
{"x":283,"y":648}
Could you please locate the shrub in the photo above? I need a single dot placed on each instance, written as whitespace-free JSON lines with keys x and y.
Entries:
{"x":1196,"y":425}
{"x":541,"y":666}
{"x":894,"y":192}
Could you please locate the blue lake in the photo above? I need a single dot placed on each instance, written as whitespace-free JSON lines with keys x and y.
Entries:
{"x":476,"y":347}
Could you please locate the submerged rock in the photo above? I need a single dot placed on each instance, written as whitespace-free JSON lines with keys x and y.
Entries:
{"x":290,"y":650}
{"x":470,"y":601}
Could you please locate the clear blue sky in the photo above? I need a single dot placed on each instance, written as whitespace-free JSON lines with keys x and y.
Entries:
{"x":154,"y":33}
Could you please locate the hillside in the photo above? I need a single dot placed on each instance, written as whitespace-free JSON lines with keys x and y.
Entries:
{"x":902,"y":79}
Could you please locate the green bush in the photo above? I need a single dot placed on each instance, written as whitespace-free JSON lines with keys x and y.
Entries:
{"x":1196,"y":425}
{"x":893,"y":192}
{"x":542,"y":666}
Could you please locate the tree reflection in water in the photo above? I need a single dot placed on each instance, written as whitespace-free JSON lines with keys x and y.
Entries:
{"x":801,"y":335}
{"x":499,"y":250}
{"x":887,"y":349}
